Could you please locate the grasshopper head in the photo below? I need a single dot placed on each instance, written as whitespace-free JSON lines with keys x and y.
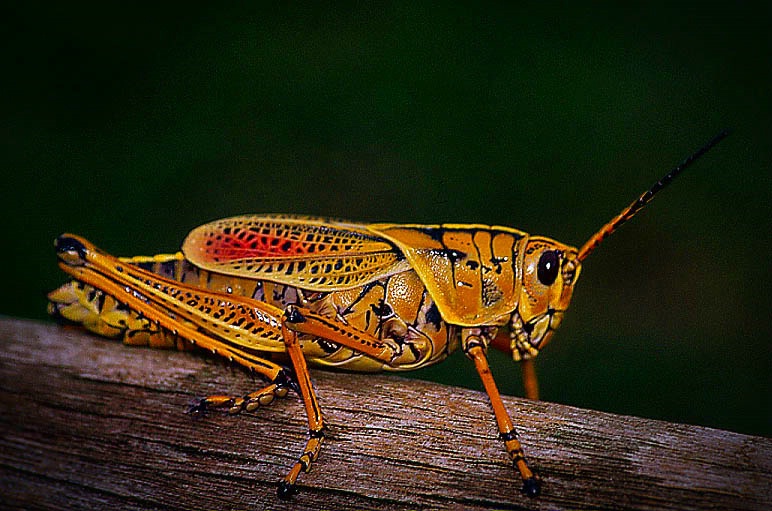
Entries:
{"x":550,"y":270}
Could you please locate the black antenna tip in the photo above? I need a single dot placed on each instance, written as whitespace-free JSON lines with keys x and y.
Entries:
{"x":639,"y":203}
{"x":724,"y":133}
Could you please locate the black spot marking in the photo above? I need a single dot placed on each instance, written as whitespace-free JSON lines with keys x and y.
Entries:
{"x":326,"y":346}
{"x":454,"y":255}
{"x":433,"y":316}
{"x":382,"y":310}
{"x":146,"y":265}
{"x":435,"y":233}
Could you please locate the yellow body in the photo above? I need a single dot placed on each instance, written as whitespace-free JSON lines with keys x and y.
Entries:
{"x":264,"y":291}
{"x":415,"y":286}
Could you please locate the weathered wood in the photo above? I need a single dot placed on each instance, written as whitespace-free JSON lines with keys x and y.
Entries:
{"x":88,"y":423}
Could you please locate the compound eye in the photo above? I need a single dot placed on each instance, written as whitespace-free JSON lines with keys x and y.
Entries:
{"x":549,"y":266}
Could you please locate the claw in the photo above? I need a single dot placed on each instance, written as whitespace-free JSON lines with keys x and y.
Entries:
{"x":531,"y":487}
{"x":286,"y":378}
{"x":198,"y":408}
{"x":286,"y":490}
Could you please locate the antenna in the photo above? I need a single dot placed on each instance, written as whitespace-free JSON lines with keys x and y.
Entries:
{"x":638,"y":204}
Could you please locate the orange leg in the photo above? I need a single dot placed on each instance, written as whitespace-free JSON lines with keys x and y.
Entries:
{"x":530,"y":380}
{"x":295,"y":321}
{"x":304,"y":322}
{"x":271,"y":371}
{"x":238,"y":404}
{"x":316,"y":424}
{"x":474,"y":350}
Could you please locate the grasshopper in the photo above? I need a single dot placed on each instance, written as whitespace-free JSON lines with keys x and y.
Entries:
{"x":275,"y":293}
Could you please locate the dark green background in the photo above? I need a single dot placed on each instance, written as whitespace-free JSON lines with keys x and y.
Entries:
{"x":131,"y":125}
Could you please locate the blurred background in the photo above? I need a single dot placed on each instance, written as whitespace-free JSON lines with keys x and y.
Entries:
{"x":133,"y":124}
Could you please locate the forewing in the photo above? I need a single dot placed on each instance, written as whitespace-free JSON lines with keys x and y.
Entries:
{"x":310,"y":253}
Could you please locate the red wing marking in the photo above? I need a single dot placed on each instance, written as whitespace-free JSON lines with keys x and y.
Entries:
{"x":315,"y":254}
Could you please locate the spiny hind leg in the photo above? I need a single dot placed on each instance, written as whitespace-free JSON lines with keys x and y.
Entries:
{"x":182,"y":310}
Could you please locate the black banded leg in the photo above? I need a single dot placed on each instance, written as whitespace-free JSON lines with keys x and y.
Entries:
{"x":287,"y":486}
{"x":236,"y":404}
{"x":316,"y":425}
{"x":531,"y":483}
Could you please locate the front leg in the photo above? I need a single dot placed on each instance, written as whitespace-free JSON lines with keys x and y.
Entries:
{"x":475,"y":342}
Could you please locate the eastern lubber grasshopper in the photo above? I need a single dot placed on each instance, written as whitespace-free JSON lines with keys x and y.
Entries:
{"x":264,"y":291}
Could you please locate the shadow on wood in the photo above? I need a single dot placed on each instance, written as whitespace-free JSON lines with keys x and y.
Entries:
{"x":88,"y":423}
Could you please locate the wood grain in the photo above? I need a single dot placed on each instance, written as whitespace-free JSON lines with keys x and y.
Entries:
{"x":86,"y":423}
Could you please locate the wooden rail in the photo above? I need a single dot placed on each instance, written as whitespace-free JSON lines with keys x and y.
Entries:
{"x":86,"y":423}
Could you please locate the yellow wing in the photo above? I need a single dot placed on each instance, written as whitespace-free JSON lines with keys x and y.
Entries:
{"x":317,"y":254}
